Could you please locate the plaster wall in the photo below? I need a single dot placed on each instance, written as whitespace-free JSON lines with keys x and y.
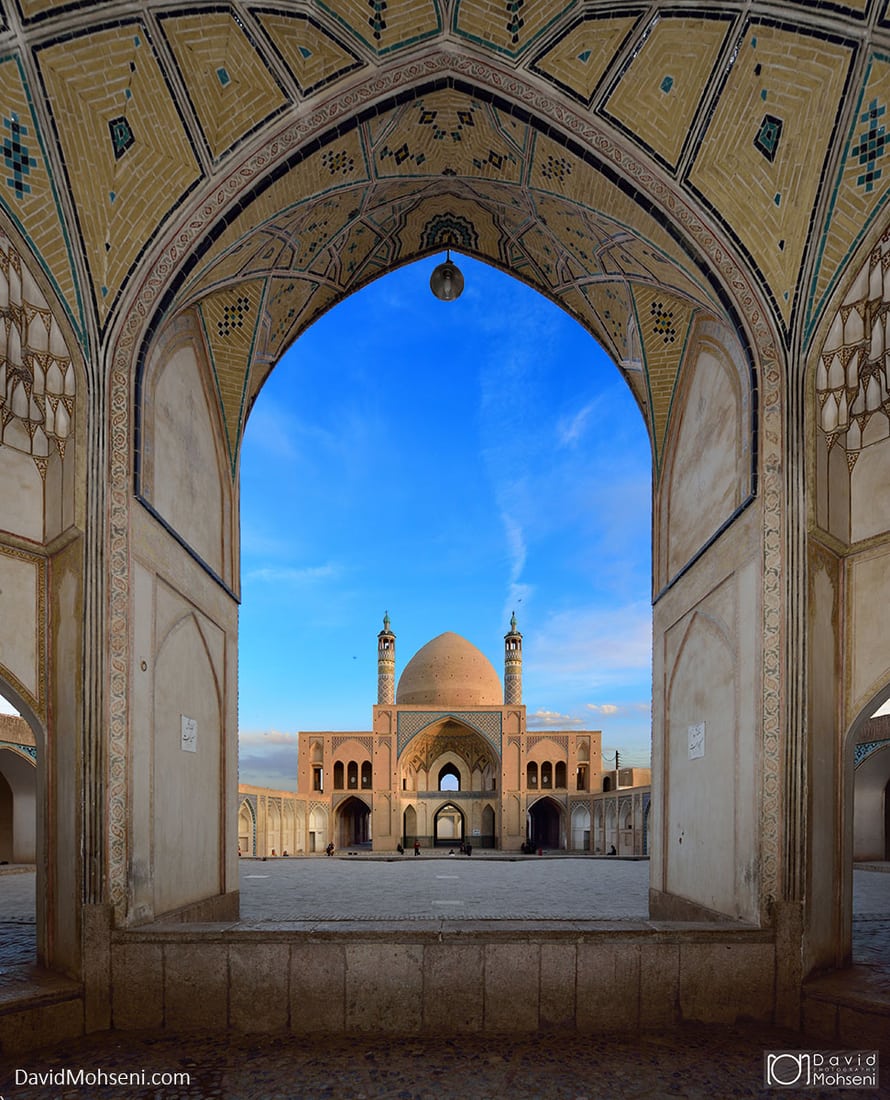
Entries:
{"x":867,"y":649}
{"x":705,"y":827}
{"x":870,"y":490}
{"x":824,"y":778}
{"x":19,"y":623}
{"x":22,"y":494}
{"x":707,"y":473}
{"x":183,"y":455}
{"x":869,"y":821}
{"x":183,"y":822}
{"x":59,"y":780}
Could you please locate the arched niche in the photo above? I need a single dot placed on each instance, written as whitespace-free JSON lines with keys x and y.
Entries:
{"x":708,"y":473}
{"x":185,"y":763}
{"x":706,"y":826}
{"x":246,"y":829}
{"x":185,"y":471}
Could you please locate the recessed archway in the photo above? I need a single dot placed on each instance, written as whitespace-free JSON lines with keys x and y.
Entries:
{"x":546,"y":825}
{"x":448,"y":826}
{"x":353,"y":823}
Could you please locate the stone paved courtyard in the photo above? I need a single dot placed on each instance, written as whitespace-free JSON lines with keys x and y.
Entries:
{"x":477,"y":887}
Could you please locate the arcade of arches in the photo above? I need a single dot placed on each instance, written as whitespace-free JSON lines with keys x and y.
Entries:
{"x":187,"y":187}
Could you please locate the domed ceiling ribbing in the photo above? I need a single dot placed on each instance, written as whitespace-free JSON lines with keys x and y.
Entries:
{"x":450,"y":672}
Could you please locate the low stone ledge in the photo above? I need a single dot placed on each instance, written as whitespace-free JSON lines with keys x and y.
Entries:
{"x":441,"y":930}
{"x":410,"y":978}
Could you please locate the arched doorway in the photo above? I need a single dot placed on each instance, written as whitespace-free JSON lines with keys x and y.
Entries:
{"x":23,"y":833}
{"x":246,"y":830}
{"x":318,"y":829}
{"x":488,"y":834}
{"x":871,"y":805}
{"x":581,"y":828}
{"x":545,"y":824}
{"x":448,"y":826}
{"x":354,"y":823}
{"x":18,"y":806}
{"x":409,"y":827}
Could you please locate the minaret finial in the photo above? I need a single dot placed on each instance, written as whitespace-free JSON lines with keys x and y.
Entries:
{"x":386,"y":663}
{"x":513,"y":664}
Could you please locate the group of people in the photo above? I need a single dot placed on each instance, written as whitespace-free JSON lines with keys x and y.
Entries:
{"x":465,"y":849}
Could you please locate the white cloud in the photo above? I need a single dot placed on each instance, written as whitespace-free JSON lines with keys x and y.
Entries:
{"x":591,"y":647}
{"x":268,"y":758}
{"x":550,"y":718}
{"x":266,"y":737}
{"x":603,"y":708}
{"x":283,"y":574}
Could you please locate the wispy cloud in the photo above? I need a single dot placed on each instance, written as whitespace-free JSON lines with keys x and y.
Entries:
{"x":592,"y":646}
{"x":552,"y":719}
{"x":273,"y":430}
{"x":284,"y":574}
{"x":266,"y":737}
{"x":603,"y":708}
{"x":569,"y":429}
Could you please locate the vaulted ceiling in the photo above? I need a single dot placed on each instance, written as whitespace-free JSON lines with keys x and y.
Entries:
{"x":644,"y":165}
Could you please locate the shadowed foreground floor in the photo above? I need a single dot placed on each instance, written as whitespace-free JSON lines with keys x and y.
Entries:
{"x":693,"y":1062}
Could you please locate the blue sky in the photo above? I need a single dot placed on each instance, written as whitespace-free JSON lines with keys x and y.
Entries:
{"x":447,"y":463}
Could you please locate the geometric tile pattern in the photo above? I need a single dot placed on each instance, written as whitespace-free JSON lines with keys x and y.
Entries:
{"x":579,"y":58}
{"x":663,"y":322}
{"x":313,"y":56}
{"x":383,"y":26}
{"x":658,"y":94}
{"x":167,"y":115}
{"x":120,"y":199}
{"x":35,"y":207}
{"x":448,"y":171}
{"x":220,"y":65}
{"x":856,"y":200}
{"x":230,"y":318}
{"x":508,"y":28}
{"x":782,"y":83}
{"x":33,"y":9}
{"x":446,"y":133}
{"x":488,"y":723}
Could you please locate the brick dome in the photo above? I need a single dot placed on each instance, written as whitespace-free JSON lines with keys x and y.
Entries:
{"x":450,"y":672}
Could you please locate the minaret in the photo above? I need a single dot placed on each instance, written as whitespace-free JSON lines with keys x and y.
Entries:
{"x":513,"y":664}
{"x":386,"y":663}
